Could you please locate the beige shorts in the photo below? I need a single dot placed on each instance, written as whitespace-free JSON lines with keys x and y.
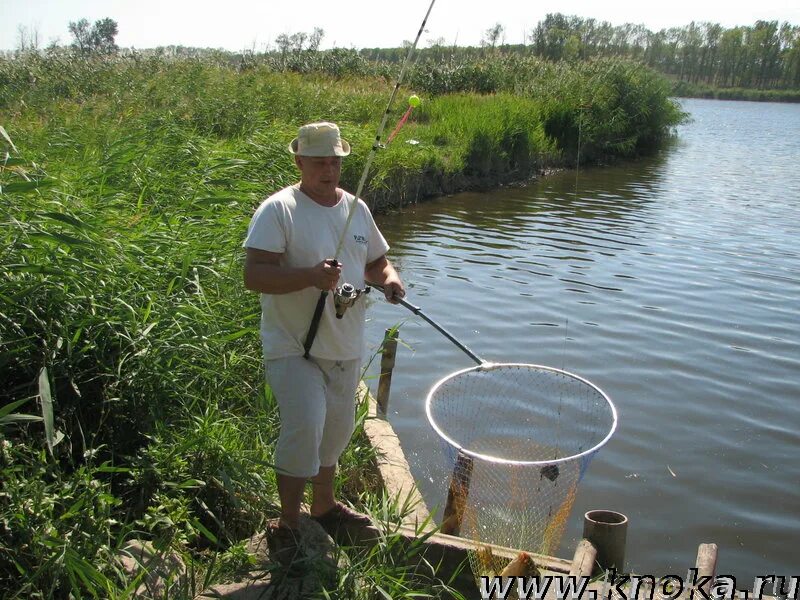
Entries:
{"x":316,"y":400}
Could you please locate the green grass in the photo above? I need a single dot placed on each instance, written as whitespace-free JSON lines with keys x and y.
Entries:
{"x":127,"y":187}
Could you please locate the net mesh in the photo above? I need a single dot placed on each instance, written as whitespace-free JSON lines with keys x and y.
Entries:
{"x":517,"y":440}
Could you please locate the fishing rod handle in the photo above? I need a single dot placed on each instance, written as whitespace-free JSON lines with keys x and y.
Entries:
{"x":312,"y":329}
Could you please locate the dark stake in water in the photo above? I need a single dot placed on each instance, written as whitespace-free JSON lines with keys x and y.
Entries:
{"x":673,"y":284}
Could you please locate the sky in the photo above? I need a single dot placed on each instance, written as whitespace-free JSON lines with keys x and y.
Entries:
{"x":253,"y":24}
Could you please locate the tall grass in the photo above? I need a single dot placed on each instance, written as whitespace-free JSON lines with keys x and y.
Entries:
{"x":133,"y":402}
{"x":121,"y":279}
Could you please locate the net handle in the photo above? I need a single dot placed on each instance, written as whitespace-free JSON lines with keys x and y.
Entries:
{"x":418,"y":311}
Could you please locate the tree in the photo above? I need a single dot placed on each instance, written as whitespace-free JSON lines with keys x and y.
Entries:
{"x":639,"y":35}
{"x":99,"y":38}
{"x":765,"y":46}
{"x":283,"y":43}
{"x":103,"y":33}
{"x":792,"y":62}
{"x":315,"y":39}
{"x":730,"y":53}
{"x":81,"y":35}
{"x":621,"y":39}
{"x":765,"y":55}
{"x":297,"y":41}
{"x":713,"y":33}
{"x":27,"y":38}
{"x":656,"y":52}
{"x":790,"y":55}
{"x":690,"y":39}
{"x":551,"y":35}
{"x":492,"y":35}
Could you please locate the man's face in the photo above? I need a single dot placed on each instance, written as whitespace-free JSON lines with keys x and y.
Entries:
{"x":320,"y":173}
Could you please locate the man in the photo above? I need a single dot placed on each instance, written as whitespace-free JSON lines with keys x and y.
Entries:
{"x":290,"y":245}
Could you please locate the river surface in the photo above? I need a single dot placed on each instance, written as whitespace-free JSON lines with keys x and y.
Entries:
{"x":672,"y":283}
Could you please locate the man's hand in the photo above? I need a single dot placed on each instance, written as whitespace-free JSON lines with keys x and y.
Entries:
{"x":325,"y":275}
{"x":393,"y":289}
{"x":263,"y":272}
{"x":382,"y":272}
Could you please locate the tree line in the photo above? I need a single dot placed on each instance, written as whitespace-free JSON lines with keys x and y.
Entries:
{"x":764,"y":56}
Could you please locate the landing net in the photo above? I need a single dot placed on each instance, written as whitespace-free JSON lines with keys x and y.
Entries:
{"x":518,"y":439}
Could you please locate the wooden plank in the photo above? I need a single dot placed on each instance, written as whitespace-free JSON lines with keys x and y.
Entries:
{"x":393,"y":468}
{"x":706,"y":564}
{"x":448,"y":554}
{"x":584,"y":559}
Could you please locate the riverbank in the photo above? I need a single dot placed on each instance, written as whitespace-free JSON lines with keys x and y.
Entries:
{"x":134,"y":398}
{"x":685,"y":89}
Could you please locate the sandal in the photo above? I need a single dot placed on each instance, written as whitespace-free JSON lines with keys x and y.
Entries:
{"x":341,"y":515}
{"x":284,"y":544}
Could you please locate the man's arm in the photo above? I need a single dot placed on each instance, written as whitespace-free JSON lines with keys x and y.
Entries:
{"x":264,"y":273}
{"x":382,"y":272}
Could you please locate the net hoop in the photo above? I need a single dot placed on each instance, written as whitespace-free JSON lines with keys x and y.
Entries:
{"x":491,"y":366}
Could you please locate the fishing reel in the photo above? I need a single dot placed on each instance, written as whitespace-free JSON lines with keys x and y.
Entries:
{"x":345,"y":296}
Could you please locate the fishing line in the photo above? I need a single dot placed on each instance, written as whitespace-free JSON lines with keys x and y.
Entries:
{"x":376,"y":145}
{"x":400,"y":124}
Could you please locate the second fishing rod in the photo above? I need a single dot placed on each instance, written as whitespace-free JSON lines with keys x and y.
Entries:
{"x":346,"y":294}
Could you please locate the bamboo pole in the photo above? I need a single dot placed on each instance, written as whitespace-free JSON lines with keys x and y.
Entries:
{"x":389,"y":352}
{"x":457,"y":495}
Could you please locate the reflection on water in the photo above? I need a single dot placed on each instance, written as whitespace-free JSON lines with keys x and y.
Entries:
{"x":673,"y":284}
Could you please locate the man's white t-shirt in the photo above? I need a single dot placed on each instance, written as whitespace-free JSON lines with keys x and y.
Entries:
{"x":305,"y":233}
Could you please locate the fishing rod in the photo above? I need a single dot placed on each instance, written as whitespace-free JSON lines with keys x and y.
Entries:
{"x":418,"y":311}
{"x":376,"y":145}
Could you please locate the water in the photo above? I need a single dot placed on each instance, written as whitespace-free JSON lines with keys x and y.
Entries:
{"x":674,"y":285}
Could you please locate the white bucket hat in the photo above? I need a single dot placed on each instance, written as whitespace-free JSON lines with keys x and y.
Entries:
{"x":319,"y":139}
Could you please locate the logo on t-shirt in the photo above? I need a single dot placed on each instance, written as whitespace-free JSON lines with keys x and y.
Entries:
{"x":360,"y":239}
